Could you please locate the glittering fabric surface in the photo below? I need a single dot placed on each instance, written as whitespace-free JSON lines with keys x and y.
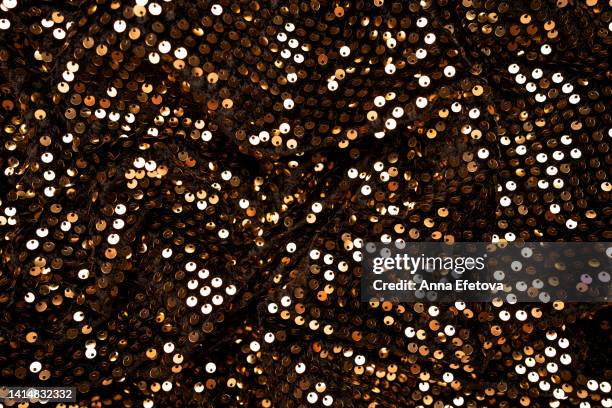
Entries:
{"x":186,"y":186}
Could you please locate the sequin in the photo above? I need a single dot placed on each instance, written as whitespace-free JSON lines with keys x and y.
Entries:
{"x":188,"y":188}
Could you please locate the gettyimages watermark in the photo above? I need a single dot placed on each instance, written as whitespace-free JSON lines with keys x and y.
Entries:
{"x":482,"y":272}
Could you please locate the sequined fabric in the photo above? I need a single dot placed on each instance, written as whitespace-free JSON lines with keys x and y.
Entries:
{"x":186,"y":188}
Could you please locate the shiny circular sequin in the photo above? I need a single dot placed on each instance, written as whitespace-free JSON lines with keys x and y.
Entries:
{"x":187,"y":189}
